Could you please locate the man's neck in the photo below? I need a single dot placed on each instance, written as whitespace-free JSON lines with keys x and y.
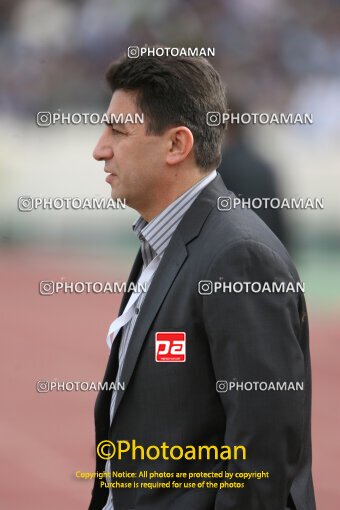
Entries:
{"x":171,"y":195}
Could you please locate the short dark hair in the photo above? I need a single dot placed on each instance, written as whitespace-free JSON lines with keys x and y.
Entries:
{"x":176,"y":91}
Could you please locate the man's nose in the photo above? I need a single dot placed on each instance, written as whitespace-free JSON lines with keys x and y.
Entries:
{"x":102,"y":151}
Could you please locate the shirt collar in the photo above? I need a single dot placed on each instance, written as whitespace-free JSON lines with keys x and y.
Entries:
{"x":146,"y":231}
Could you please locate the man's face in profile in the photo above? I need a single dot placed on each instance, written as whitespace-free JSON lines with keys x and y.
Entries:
{"x":133,"y":159}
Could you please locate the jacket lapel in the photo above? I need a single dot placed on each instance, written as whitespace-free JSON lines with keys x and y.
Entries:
{"x":168,"y":268}
{"x":103,"y":398}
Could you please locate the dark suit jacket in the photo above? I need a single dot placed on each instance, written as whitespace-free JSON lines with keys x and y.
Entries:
{"x":229,"y":336}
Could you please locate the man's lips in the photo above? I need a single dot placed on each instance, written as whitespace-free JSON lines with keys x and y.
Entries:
{"x":110,"y":176}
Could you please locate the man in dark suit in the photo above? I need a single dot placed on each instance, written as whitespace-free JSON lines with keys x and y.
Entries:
{"x":203,"y":363}
{"x":246,"y":174}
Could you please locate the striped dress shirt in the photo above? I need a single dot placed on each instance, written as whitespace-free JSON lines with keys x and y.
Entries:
{"x":154,"y":237}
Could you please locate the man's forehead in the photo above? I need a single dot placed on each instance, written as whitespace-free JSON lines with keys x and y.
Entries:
{"x":123,"y":101}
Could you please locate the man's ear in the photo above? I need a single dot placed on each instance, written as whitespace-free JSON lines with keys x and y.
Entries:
{"x":180,"y":144}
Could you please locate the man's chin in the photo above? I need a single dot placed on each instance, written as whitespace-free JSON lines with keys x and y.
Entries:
{"x":116,"y":195}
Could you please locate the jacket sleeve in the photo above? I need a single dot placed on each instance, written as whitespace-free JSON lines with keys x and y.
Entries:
{"x":254,"y":337}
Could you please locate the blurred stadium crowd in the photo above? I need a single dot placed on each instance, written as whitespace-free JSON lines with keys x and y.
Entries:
{"x":280,"y":54}
{"x":274,"y":55}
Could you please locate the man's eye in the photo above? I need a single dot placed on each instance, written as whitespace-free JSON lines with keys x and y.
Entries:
{"x":116,"y":132}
